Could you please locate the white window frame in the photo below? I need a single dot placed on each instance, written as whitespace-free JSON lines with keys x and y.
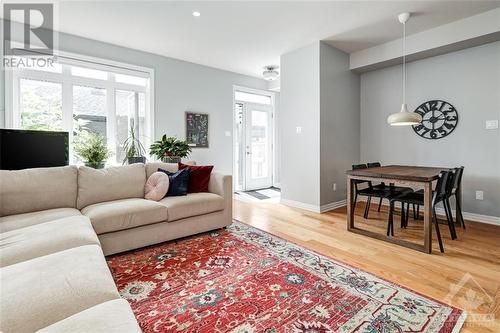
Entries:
{"x":13,"y":77}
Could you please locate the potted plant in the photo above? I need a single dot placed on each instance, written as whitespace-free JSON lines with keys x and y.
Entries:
{"x":134,"y":150}
{"x":93,"y":151}
{"x":170,"y":149}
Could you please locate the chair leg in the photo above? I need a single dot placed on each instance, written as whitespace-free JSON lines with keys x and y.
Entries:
{"x":459,"y":212}
{"x":438,"y":232}
{"x":367,"y":207}
{"x":390,"y":218}
{"x":418,"y":212}
{"x":414,"y":212}
{"x":379,"y":205}
{"x":354,"y":205}
{"x":402,"y":214}
{"x":407,"y":214}
{"x":449,"y":218}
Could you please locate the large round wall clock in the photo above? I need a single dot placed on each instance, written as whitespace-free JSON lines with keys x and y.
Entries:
{"x":439,"y":118}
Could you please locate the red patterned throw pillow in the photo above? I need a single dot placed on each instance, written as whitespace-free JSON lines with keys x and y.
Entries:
{"x":199,"y":176}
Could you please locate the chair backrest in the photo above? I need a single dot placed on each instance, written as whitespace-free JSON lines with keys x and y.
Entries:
{"x":359,"y":166}
{"x":357,"y":181}
{"x":374,"y":165}
{"x":457,"y":180}
{"x":445,"y":177}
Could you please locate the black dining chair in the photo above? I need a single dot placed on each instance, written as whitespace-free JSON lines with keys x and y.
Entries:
{"x":453,"y":186}
{"x":452,"y":191}
{"x":378,"y":191}
{"x":417,"y":198}
{"x":383,"y":186}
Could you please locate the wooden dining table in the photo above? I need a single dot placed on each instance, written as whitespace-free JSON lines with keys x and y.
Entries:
{"x":404,"y":175}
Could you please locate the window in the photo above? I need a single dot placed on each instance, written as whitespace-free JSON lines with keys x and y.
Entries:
{"x":40,"y":105}
{"x":83,"y":98}
{"x":252,"y":98}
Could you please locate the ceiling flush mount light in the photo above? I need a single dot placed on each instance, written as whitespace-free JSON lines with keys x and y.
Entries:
{"x":270,"y":72}
{"x":196,"y":13}
{"x":404,"y":117}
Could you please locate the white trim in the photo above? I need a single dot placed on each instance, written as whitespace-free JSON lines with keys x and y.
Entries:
{"x":494,"y":220}
{"x":314,"y":208}
{"x":473,"y":217}
{"x":333,"y":205}
{"x":301,"y":205}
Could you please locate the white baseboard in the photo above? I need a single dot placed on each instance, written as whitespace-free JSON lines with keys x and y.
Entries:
{"x":314,"y":208}
{"x":333,"y":205}
{"x":301,"y":205}
{"x":495,"y":220}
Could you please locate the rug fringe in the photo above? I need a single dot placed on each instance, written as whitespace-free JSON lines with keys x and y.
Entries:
{"x":460,"y":322}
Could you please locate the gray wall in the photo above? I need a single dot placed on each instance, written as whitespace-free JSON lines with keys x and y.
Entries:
{"x":299,"y":99}
{"x":179,"y":86}
{"x":468,"y":79}
{"x":339,"y":121}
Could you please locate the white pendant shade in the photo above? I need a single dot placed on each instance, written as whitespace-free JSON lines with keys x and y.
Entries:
{"x":404,"y":118}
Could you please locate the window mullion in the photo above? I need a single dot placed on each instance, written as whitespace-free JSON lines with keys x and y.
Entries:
{"x":111,"y":115}
{"x":67,"y":106}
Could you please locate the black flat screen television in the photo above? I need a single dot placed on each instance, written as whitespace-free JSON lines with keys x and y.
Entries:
{"x":22,"y":149}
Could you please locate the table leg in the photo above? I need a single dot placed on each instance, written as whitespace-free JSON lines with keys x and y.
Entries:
{"x":350,"y":213}
{"x":428,"y":217}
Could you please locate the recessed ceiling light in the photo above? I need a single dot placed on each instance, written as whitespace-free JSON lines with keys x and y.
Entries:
{"x":196,"y":13}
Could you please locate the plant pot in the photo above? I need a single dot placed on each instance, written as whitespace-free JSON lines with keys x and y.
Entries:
{"x":95,"y":165}
{"x":171,"y":159}
{"x":137,"y":159}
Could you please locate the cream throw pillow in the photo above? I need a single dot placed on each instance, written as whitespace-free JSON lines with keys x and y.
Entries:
{"x":156,"y":186}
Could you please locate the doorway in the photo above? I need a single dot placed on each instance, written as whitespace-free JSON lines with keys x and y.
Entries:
{"x":253,"y":140}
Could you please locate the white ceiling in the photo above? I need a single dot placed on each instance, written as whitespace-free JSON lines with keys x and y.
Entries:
{"x":245,"y":36}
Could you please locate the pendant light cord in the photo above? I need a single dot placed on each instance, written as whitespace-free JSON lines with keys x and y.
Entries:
{"x":404,"y":63}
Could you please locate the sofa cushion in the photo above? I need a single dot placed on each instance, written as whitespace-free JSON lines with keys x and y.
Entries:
{"x":99,"y":185}
{"x":199,"y":177}
{"x":30,"y":190}
{"x":124,"y":214}
{"x":152,"y":167}
{"x":156,"y":186}
{"x":45,"y":238}
{"x":12,"y":222}
{"x":192,"y":204}
{"x":47,"y":289}
{"x":114,"y":316}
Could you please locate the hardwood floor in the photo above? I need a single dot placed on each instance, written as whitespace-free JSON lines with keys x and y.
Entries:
{"x":476,"y":252}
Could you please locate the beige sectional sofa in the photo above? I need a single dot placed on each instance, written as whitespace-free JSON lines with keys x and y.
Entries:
{"x":56,"y":225}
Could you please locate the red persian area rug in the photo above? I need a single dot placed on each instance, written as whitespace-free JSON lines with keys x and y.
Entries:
{"x":245,"y":280}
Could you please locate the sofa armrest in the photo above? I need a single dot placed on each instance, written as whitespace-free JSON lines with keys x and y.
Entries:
{"x":222,"y":185}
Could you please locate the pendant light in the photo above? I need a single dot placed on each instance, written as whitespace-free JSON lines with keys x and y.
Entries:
{"x":404,"y":117}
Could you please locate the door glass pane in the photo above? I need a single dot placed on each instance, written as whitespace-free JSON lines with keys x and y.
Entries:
{"x":40,"y":105}
{"x":259,"y":144}
{"x":127,"y":114}
{"x":89,"y":112}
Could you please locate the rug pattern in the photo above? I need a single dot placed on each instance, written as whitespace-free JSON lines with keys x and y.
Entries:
{"x":245,"y":280}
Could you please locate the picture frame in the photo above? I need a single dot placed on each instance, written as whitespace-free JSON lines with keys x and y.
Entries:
{"x":197,"y":129}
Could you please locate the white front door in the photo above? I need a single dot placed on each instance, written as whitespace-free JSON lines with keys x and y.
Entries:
{"x":258,"y":146}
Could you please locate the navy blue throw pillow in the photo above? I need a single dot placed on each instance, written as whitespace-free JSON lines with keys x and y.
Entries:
{"x":179,"y":182}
